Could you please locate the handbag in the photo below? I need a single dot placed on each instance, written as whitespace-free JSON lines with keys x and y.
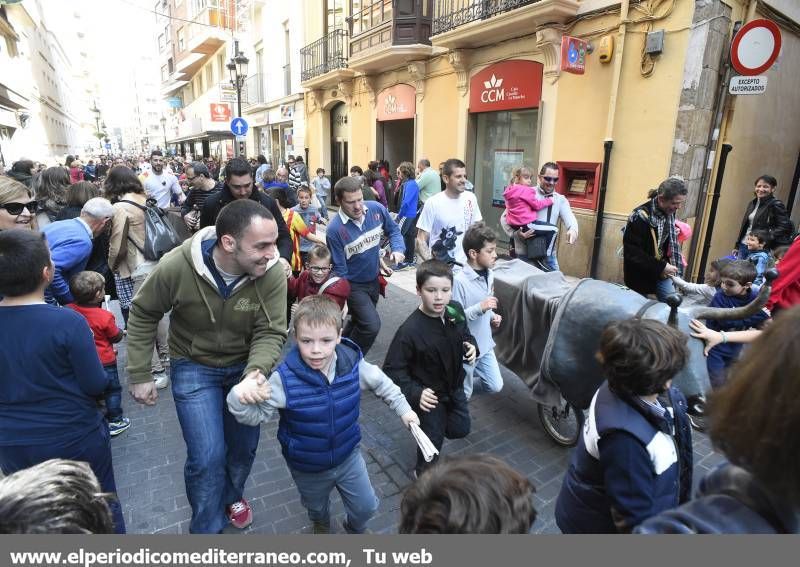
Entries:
{"x":541,"y":244}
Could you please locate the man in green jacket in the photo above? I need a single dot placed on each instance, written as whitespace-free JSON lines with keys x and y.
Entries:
{"x":227,"y":293}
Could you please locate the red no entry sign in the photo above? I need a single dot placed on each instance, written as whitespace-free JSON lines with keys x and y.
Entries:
{"x":755,"y":47}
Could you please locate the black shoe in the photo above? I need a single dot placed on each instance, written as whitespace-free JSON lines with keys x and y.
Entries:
{"x":696,"y":412}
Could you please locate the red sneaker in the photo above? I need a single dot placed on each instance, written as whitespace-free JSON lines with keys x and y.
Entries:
{"x":240,"y":514}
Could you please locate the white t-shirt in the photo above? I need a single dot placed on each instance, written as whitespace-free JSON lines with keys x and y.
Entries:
{"x":159,"y":187}
{"x":446,"y":220}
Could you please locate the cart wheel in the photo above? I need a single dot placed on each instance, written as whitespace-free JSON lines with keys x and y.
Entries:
{"x":562,"y":423}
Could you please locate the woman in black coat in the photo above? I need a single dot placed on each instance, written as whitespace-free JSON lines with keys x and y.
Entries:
{"x":765,"y":212}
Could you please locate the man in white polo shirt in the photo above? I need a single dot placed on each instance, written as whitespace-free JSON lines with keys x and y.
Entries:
{"x":160,"y":185}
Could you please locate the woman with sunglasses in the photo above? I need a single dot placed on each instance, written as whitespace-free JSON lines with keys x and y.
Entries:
{"x":17,"y":207}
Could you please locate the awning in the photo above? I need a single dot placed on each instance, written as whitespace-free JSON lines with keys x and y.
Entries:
{"x":210,"y":135}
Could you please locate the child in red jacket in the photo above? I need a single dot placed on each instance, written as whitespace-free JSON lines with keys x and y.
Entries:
{"x":317,"y":279}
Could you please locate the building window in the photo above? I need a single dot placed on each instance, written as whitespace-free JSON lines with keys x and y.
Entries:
{"x":181,"y":40}
{"x":161,"y":44}
{"x":209,"y":75}
{"x":223,"y":72}
{"x":164,"y":73}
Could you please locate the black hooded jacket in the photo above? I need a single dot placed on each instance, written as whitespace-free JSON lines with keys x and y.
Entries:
{"x":215,"y":202}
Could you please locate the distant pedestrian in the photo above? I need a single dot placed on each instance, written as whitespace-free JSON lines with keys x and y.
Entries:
{"x":161,"y":185}
{"x":322,"y":185}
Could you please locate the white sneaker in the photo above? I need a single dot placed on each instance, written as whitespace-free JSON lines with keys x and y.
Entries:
{"x":161,"y":380}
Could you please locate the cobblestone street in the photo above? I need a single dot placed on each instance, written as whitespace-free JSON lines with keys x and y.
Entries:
{"x":149,"y":457}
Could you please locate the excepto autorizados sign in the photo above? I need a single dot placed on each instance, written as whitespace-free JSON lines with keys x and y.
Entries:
{"x":748,"y":85}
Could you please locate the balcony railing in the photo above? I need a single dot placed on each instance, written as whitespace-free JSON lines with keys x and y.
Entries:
{"x":326,"y":54}
{"x":388,"y":23}
{"x":449,"y":14}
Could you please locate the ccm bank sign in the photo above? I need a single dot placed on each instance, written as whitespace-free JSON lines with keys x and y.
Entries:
{"x":507,"y":85}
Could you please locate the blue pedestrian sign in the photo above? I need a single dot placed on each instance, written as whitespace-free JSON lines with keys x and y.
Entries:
{"x":108,"y":146}
{"x":239,"y":126}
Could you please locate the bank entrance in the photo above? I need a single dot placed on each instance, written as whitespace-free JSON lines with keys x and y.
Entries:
{"x":396,"y":111}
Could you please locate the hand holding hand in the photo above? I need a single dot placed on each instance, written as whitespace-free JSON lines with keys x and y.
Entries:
{"x":469,"y":352}
{"x":408,"y":418}
{"x":253,"y":388}
{"x":428,"y":400}
{"x":669,"y":270}
{"x":496,"y":320}
{"x":489,"y":303}
{"x":144,"y":393}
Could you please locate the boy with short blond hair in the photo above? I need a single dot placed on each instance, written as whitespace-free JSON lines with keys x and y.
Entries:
{"x":473,"y":287}
{"x":316,"y":390}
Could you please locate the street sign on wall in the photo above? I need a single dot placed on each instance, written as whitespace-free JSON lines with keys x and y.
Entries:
{"x":227,"y":92}
{"x":573,"y":55}
{"x":748,"y":85}
{"x":755,"y":47}
{"x":220,"y":112}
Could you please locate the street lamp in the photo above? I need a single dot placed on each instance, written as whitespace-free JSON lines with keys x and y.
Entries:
{"x":237,"y":67}
{"x":97,"y":133}
{"x":164,"y":130}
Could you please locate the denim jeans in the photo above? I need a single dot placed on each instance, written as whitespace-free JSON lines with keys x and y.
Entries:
{"x":365,"y":323}
{"x":113,"y":394}
{"x":93,"y":449}
{"x":664,"y":288}
{"x":485,"y":373}
{"x":719,"y":360}
{"x":351,"y":480}
{"x":552,"y":261}
{"x":408,"y":230}
{"x":449,"y":419}
{"x":322,"y":208}
{"x":220,"y":450}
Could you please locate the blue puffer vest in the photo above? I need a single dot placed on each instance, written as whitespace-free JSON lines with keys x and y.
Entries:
{"x":583,"y":505}
{"x":319,"y":428}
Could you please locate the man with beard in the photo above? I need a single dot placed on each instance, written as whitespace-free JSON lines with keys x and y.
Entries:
{"x":160,"y":185}
{"x":227,"y":293}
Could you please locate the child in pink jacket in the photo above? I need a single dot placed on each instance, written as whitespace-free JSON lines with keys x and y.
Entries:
{"x":522,"y":200}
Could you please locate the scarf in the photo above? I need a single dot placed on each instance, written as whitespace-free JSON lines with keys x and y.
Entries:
{"x":664,"y":225}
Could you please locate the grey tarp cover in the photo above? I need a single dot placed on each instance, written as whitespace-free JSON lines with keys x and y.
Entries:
{"x":527,"y":299}
{"x":551,"y":331}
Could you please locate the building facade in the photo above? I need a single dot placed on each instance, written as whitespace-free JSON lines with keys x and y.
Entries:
{"x":194,"y":39}
{"x":484,"y":81}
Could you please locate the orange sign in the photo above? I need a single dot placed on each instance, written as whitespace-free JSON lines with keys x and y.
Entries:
{"x":506,"y":86}
{"x":397,"y":103}
{"x":220,"y":112}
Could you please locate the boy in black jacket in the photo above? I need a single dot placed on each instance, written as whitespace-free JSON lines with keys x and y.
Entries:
{"x":427,"y":358}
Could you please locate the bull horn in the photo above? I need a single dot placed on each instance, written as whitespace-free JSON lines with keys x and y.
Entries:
{"x":743,"y":312}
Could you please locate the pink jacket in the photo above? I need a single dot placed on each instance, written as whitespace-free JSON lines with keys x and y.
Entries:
{"x":522,"y":203}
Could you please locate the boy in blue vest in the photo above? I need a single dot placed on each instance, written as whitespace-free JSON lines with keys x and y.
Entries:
{"x":317,"y":390}
{"x":634,"y":456}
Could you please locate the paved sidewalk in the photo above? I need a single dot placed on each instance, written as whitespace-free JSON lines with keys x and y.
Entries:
{"x":149,"y":457}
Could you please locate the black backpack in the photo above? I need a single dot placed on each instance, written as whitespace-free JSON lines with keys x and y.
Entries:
{"x":159,"y":235}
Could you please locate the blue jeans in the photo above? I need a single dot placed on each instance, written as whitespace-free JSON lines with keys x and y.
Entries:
{"x":664,"y":288}
{"x":220,"y":450}
{"x":113,"y":394}
{"x":351,"y":480}
{"x":322,"y":208}
{"x":365,"y":323}
{"x":93,"y":449}
{"x":487,"y":372}
{"x":552,"y":261}
{"x":719,"y":360}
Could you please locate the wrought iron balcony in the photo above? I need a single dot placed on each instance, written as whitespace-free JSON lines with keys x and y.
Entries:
{"x":474,"y":23}
{"x":326,"y":54}
{"x":449,"y":14}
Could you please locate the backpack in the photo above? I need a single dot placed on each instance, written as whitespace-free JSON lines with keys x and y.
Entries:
{"x":159,"y":235}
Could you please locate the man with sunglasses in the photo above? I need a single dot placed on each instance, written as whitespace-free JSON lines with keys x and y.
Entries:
{"x":161,"y":185}
{"x":201,"y":187}
{"x":560,"y":209}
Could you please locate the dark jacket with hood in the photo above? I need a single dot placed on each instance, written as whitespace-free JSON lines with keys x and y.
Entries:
{"x":214,"y":203}
{"x":643,"y":261}
{"x":729,"y":500}
{"x":246,"y":323}
{"x":21,"y":176}
{"x":772,"y":217}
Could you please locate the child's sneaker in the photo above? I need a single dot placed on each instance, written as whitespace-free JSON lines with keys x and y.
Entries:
{"x":118,"y":425}
{"x":240,"y":514}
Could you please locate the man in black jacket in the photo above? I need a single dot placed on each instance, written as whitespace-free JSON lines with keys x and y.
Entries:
{"x":650,"y":245}
{"x":239,"y":185}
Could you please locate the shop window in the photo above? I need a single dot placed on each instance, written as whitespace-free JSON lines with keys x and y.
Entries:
{"x":579,"y":182}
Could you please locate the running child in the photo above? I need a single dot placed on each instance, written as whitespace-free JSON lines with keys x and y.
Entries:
{"x":317,"y":279}
{"x":473,"y":287}
{"x":88,"y":289}
{"x":317,"y":391}
{"x":427,"y":355}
